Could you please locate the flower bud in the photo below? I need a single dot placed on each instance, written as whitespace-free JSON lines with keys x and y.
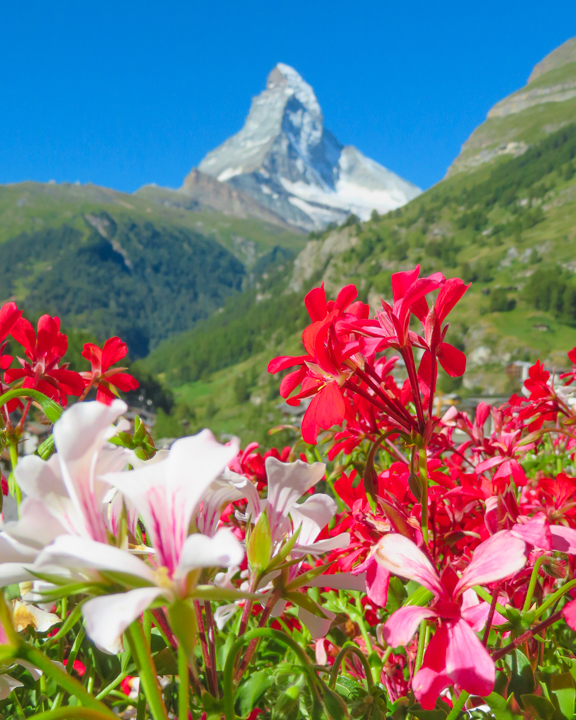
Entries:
{"x":259,"y":545}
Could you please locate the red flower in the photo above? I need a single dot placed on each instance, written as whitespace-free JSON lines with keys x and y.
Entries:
{"x":572,"y":373}
{"x":103,"y":375}
{"x":44,"y":351}
{"x":78,"y":666}
{"x":452,"y":360}
{"x":327,"y":365}
{"x":391,"y":326}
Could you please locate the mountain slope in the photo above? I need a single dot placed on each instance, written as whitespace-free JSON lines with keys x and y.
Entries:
{"x":112,"y":263}
{"x":545,"y":104}
{"x":291,"y":164}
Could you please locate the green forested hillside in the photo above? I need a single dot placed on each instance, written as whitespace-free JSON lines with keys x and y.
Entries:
{"x":111,"y":263}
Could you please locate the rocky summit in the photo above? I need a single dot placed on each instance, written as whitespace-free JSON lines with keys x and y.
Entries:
{"x":291,"y":164}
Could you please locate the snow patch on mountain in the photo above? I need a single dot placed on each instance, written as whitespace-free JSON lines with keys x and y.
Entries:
{"x":289,"y":162}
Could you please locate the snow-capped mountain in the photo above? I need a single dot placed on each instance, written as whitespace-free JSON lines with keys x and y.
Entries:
{"x":289,"y":162}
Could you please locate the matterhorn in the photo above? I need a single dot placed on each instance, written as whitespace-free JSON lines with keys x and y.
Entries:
{"x":292,"y":165}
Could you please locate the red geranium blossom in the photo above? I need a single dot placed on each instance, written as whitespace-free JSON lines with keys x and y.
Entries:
{"x":103,"y":375}
{"x":44,"y":351}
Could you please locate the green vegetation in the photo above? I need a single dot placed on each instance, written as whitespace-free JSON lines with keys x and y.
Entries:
{"x":247,"y":325}
{"x":111,"y":263}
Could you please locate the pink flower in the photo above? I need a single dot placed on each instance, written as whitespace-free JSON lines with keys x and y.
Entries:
{"x":455,"y":655}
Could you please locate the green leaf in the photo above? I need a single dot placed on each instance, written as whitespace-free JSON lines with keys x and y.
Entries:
{"x":522,"y":681}
{"x":439,"y":713}
{"x":166,"y":662}
{"x":396,"y":594}
{"x":285,"y":550}
{"x":538,"y":706}
{"x":259,"y":545}
{"x":307,"y":577}
{"x":420,"y":597}
{"x":210,"y":592}
{"x":250,"y":691}
{"x":499,"y":707}
{"x":562,"y":686}
{"x":51,"y":409}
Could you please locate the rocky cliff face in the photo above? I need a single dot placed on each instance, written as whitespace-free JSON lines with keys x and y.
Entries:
{"x":546,"y":104}
{"x":291,"y":164}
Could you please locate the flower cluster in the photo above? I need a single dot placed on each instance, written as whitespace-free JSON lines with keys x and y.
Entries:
{"x":417,"y":559}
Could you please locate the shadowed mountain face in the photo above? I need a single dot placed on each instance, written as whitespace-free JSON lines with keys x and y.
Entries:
{"x":291,"y":164}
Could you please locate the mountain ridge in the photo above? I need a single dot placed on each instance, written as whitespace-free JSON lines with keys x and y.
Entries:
{"x":287,"y":160}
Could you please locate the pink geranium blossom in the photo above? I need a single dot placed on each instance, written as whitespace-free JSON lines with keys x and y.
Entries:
{"x":455,"y":655}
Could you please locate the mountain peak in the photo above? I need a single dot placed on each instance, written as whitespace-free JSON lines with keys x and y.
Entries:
{"x":287,"y":160}
{"x":563,"y":55}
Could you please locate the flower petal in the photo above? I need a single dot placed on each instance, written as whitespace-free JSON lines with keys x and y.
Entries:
{"x":340,"y":581}
{"x":287,"y":482}
{"x":377,"y":581}
{"x":222,"y":550}
{"x":79,"y":553}
{"x":79,"y":436}
{"x":432,"y":679}
{"x":401,"y":557}
{"x":312,"y":516}
{"x":468,"y":663}
{"x":497,"y":558}
{"x":399,"y":629}
{"x":569,"y":614}
{"x":317,"y":626}
{"x":109,"y":616}
{"x":563,"y":539}
{"x":165,"y":493}
{"x":326,"y":409}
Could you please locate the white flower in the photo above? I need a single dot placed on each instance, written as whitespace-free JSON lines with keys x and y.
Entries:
{"x":165,"y":495}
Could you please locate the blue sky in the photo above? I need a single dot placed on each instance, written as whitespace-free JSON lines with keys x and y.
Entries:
{"x":125,"y":93}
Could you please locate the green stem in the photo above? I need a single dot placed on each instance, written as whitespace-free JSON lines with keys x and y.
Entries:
{"x":74,"y":650}
{"x":458,"y":705}
{"x":183,"y":687}
{"x":424,"y":498}
{"x":108,"y":689}
{"x":62,"y":678}
{"x":72,"y":713}
{"x":148,"y":675}
{"x":422,"y":642}
{"x":346,"y":650}
{"x":13,"y":448}
{"x":361,"y":623}
{"x":485,"y":595}
{"x":554,"y":597}
{"x":246,"y":638}
{"x":67,"y":625}
{"x":533,"y":581}
{"x":141,"y":704}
